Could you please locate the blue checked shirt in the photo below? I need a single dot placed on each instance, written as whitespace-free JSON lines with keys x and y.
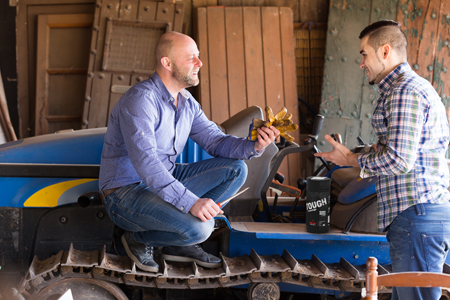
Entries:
{"x":146,"y":133}
{"x":413,"y":136}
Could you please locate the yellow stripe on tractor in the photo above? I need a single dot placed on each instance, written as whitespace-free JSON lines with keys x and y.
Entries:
{"x":49,"y":196}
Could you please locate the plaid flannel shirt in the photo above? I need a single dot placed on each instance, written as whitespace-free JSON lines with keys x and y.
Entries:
{"x":413,"y":136}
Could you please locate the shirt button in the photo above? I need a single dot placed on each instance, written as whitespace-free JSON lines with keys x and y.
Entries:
{"x":251,"y":152}
{"x":182,"y":208}
{"x":142,"y":133}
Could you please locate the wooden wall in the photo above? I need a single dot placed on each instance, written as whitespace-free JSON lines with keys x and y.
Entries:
{"x":248,"y":59}
{"x":26,"y":11}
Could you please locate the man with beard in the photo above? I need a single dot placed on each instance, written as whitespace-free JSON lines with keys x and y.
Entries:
{"x":157,"y":202}
{"x":409,"y":158}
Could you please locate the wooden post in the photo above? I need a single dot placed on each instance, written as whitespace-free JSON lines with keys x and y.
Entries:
{"x":5,"y":121}
{"x":371,"y":279}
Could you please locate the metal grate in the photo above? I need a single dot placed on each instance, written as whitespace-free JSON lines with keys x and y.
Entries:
{"x":129,"y":46}
{"x":310,"y":41}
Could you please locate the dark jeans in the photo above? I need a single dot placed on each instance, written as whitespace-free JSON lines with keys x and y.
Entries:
{"x":158,"y":223}
{"x":419,"y":240}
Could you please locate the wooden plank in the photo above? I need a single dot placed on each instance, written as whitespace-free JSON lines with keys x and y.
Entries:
{"x":288,"y":61}
{"x":293,"y":4}
{"x":128,"y":9}
{"x":98,"y":105}
{"x":178,"y":17}
{"x":196,"y":4}
{"x":203,"y":89}
{"x":42,"y":76}
{"x":3,"y":126}
{"x":7,"y":127}
{"x":188,"y":18}
{"x":165,"y":12}
{"x":428,"y":40}
{"x":91,"y":65}
{"x":412,"y":16}
{"x":48,"y":2}
{"x":147,"y":10}
{"x":441,"y":78}
{"x":70,"y":21}
{"x":203,"y":3}
{"x":254,"y":64}
{"x":253,"y":2}
{"x":235,"y":59}
{"x":217,"y":64}
{"x":135,"y":78}
{"x":290,"y":86}
{"x":229,"y":2}
{"x":312,"y":11}
{"x":117,"y":79}
{"x":273,"y":72}
{"x":22,"y":71}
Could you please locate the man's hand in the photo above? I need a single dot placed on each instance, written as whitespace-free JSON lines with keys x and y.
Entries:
{"x":205,"y":209}
{"x":266,"y":136}
{"x":340,"y":155}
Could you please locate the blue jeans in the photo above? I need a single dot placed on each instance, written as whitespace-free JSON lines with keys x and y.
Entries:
{"x":158,"y":223}
{"x":419,"y":239}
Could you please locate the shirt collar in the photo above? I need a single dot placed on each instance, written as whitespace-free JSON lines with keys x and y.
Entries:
{"x":387,"y":82}
{"x":166,"y":96}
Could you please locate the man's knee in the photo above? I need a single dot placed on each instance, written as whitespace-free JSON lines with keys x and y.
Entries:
{"x":199,"y":233}
{"x":241,"y":169}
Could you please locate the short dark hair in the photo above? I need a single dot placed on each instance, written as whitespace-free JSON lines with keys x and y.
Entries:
{"x":386,"y":32}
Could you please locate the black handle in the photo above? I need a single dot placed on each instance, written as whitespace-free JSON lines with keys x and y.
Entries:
{"x":279,"y":177}
{"x":301,"y":184}
{"x":317,"y":126}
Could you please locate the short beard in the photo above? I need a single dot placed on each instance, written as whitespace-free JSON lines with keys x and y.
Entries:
{"x":183,"y":79}
{"x":384,"y":67}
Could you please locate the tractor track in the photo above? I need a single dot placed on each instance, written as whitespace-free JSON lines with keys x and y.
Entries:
{"x":253,"y":268}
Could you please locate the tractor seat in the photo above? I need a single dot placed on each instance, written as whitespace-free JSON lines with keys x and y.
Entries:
{"x":344,"y":176}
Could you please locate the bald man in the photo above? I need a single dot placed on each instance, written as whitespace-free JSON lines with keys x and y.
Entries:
{"x":157,"y":202}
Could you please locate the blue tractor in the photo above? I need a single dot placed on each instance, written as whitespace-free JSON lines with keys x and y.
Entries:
{"x":55,"y":233}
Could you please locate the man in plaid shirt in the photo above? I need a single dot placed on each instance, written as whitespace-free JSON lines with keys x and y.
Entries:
{"x":409,"y":158}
